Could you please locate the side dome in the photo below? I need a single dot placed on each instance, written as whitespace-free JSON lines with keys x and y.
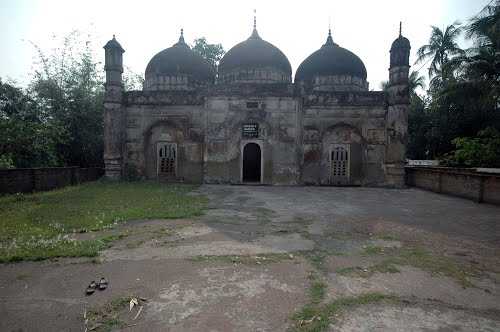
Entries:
{"x":178,"y":68}
{"x":332,"y":68}
{"x":255,"y":61}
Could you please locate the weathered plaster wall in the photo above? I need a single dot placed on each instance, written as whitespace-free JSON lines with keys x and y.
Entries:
{"x":278,"y":120}
{"x":296,"y":133}
{"x":164,"y":117}
{"x":354,"y":118}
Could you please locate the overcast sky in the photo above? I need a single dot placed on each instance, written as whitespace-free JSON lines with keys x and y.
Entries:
{"x":298,"y":28}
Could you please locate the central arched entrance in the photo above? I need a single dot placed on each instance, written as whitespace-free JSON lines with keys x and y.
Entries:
{"x":252,"y":157}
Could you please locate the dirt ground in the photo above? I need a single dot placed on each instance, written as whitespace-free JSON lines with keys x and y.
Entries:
{"x":260,"y":255}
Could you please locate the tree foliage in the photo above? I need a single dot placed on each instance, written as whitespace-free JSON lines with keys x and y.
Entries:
{"x":27,"y":136}
{"x":463,"y":95}
{"x":58,"y":119}
{"x":442,"y":45}
{"x":68,"y":84}
{"x":211,"y":52}
{"x":482,"y":150}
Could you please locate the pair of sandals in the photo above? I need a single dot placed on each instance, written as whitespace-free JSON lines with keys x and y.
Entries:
{"x":102,"y":285}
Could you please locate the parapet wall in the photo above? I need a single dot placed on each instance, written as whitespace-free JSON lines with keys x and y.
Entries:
{"x":466,"y":183}
{"x":40,"y":179}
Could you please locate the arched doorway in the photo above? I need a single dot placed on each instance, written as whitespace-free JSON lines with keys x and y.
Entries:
{"x":252,"y":157}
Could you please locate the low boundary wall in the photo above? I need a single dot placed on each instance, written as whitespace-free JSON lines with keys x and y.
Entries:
{"x":40,"y":179}
{"x":461,"y":182}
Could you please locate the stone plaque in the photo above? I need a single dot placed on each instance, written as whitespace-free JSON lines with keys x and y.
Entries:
{"x":250,"y":130}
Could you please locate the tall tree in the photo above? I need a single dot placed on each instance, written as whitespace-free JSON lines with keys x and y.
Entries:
{"x":211,"y":52}
{"x":485,"y":27}
{"x":441,"y":47}
{"x":27,"y":136}
{"x":415,"y":81}
{"x":68,"y":85}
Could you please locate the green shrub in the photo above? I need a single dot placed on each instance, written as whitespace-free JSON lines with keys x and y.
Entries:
{"x":480,"y":151}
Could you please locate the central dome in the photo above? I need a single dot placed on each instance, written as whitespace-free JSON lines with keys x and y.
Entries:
{"x":332,"y":68}
{"x":255,"y":61}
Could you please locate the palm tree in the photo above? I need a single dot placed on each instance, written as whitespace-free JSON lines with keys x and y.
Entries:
{"x":415,"y":81}
{"x":485,"y":27}
{"x":479,"y":66}
{"x":442,"y":46}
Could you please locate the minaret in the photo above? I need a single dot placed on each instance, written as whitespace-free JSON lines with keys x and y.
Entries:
{"x":397,"y":113}
{"x":113,"y":113}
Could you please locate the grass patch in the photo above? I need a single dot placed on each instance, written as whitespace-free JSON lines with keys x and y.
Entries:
{"x":106,"y":317}
{"x":389,"y":237}
{"x":248,"y":260}
{"x":58,"y":247}
{"x":436,"y":264}
{"x":39,"y":226}
{"x":315,"y":318}
{"x":383,"y":267}
{"x":374,"y":250}
{"x":419,"y":258}
{"x":316,"y":258}
{"x":317,"y":291}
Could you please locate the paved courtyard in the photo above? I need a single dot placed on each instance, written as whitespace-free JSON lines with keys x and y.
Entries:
{"x":277,"y":259}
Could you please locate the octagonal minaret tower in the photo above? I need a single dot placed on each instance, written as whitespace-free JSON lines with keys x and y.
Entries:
{"x":113,"y":113}
{"x":397,"y":112}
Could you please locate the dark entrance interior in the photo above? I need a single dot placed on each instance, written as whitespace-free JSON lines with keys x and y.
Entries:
{"x":251,"y":162}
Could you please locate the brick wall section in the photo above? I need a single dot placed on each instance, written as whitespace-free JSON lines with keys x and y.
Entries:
{"x":461,"y":182}
{"x":41,"y":179}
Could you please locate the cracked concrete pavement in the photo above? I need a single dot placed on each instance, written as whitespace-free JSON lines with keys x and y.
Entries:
{"x":245,"y":265}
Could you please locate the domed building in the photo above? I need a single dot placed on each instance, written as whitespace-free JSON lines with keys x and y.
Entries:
{"x":247,"y":122}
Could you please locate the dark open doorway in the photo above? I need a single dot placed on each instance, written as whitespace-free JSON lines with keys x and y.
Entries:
{"x":251,"y":162}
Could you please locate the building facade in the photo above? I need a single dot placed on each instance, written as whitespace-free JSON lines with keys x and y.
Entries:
{"x":247,"y":122}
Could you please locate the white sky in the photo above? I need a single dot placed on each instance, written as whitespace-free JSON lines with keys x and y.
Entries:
{"x":298,"y":28}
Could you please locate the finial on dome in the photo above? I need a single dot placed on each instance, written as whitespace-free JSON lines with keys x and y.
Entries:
{"x":254,"y":34}
{"x":114,"y":36}
{"x":329,"y":39}
{"x":181,"y":38}
{"x":400,"y":28}
{"x":181,"y":41}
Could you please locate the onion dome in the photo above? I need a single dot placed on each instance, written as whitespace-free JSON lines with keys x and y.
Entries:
{"x":255,"y":61}
{"x":400,"y":51}
{"x":178,"y":68}
{"x":332,"y":68}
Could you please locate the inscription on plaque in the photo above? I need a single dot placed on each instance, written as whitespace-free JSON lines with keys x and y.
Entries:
{"x":250,"y":130}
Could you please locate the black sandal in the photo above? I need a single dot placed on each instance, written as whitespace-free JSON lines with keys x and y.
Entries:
{"x":91,"y":288}
{"x":103,"y":284}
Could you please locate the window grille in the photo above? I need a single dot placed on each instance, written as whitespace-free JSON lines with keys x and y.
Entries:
{"x":167,"y":159}
{"x":339,"y":159}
